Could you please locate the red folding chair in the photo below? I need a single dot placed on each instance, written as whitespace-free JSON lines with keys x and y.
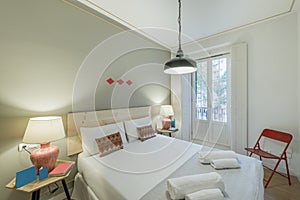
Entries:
{"x":285,"y":138}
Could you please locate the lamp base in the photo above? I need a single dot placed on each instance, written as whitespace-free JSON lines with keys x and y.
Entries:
{"x":166,"y":122}
{"x":46,"y":156}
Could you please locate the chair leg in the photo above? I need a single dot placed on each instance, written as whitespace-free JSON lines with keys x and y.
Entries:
{"x":287,"y":171}
{"x":273,"y":172}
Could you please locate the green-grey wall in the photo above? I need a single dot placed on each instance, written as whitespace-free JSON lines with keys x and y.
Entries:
{"x":43,"y":44}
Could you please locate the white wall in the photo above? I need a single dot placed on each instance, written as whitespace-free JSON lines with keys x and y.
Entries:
{"x":272,"y":76}
{"x":43,"y":44}
{"x":297,"y":143}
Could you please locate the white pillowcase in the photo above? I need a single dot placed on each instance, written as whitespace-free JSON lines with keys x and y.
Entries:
{"x":131,"y":125}
{"x":89,"y":134}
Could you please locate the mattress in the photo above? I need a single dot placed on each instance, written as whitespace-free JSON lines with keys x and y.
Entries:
{"x":141,"y":169}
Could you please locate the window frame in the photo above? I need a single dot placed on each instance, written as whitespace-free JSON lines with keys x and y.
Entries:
{"x":209,"y":84}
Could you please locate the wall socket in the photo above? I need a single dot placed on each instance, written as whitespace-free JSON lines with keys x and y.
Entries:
{"x":27,"y":146}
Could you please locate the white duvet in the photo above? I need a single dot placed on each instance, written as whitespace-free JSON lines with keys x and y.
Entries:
{"x":132,"y":172}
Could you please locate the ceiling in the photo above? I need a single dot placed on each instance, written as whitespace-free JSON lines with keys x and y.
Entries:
{"x":157,"y":19}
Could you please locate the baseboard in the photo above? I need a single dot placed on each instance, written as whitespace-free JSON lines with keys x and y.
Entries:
{"x":280,"y":168}
{"x":59,"y":194}
{"x":213,"y":145}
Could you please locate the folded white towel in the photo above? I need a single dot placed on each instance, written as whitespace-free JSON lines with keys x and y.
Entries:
{"x":206,"y":157}
{"x":226,"y":163}
{"x":181,"y":186}
{"x":208,"y":194}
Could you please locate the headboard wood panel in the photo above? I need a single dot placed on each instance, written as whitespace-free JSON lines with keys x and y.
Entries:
{"x":99,"y":118}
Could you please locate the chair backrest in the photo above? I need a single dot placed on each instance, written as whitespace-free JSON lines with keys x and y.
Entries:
{"x":277,"y":135}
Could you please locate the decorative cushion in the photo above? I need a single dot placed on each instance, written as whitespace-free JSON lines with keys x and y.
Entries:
{"x":145,"y":132}
{"x":109,"y":144}
{"x":89,"y":134}
{"x":131,"y":125}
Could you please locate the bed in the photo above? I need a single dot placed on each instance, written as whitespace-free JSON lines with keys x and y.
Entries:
{"x":141,"y":169}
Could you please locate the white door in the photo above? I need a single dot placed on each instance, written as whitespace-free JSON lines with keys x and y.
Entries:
{"x":211,"y":104}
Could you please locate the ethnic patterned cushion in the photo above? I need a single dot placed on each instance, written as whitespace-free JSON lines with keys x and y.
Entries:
{"x":131,"y":125}
{"x":89,"y":134}
{"x":145,"y":132}
{"x":109,"y":144}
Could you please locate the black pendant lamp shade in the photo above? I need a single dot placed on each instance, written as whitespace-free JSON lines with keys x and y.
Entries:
{"x":180,"y":64}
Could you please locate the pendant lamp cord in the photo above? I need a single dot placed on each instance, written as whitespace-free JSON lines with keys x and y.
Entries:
{"x":179,"y":52}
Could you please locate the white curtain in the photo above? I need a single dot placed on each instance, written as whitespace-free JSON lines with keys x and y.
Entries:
{"x":239,"y":104}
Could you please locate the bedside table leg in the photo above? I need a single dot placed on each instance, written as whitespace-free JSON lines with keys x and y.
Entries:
{"x":66,"y":189}
{"x":35,"y":195}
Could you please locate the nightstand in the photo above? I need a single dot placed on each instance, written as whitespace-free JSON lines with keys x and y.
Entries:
{"x":161,"y":131}
{"x":36,"y":186}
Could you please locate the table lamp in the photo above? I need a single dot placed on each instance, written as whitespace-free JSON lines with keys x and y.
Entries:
{"x":43,"y":130}
{"x":166,"y":111}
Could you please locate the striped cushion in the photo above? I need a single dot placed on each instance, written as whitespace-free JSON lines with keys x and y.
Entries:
{"x":145,"y":132}
{"x":109,"y":144}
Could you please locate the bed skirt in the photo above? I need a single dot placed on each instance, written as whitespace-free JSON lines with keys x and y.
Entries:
{"x":81,"y":190}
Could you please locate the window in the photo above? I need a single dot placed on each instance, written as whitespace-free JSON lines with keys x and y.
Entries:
{"x":211,"y":89}
{"x":219,"y":90}
{"x":219,"y":104}
{"x":201,"y":91}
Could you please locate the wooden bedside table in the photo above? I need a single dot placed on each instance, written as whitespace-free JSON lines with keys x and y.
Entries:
{"x":36,"y":186}
{"x":161,"y":131}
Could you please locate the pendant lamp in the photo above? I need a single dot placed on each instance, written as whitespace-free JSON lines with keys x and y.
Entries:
{"x":180,"y":64}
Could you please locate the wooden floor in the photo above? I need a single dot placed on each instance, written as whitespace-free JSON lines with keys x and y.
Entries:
{"x":279,"y":188}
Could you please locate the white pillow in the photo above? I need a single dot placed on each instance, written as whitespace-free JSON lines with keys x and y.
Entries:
{"x":89,"y":134}
{"x":131,"y":125}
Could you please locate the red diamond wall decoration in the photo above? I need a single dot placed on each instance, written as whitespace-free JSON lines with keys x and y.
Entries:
{"x":110,"y":81}
{"x":120,"y":81}
{"x":129,"y":82}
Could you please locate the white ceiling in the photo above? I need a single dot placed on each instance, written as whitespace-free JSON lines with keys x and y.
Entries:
{"x":157,"y":19}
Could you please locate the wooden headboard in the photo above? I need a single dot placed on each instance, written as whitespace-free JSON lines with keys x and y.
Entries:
{"x":100,"y":118}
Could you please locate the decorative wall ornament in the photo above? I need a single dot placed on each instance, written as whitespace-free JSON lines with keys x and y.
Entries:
{"x":120,"y":81}
{"x":129,"y":82}
{"x":110,"y":81}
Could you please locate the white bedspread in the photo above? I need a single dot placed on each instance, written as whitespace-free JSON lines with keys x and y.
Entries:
{"x":138,"y":168}
{"x":130,"y":173}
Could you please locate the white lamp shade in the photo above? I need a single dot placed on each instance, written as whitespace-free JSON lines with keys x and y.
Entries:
{"x":42,"y":130}
{"x":166,"y":110}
